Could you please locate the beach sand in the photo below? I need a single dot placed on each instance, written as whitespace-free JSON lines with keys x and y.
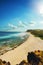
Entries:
{"x":20,"y":53}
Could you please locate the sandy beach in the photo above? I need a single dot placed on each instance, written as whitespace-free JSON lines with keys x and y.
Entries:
{"x":20,"y":53}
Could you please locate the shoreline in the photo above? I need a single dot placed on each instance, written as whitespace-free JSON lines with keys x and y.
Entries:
{"x":5,"y":48}
{"x":20,"y":53}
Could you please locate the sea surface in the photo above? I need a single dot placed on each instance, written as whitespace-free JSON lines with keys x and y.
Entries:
{"x":12,"y":38}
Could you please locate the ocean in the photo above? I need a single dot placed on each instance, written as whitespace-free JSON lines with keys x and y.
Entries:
{"x":12,"y":38}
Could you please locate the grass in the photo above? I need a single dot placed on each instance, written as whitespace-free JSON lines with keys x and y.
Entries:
{"x":37,"y":33}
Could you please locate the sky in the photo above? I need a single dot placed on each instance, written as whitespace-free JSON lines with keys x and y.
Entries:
{"x":21,"y":15}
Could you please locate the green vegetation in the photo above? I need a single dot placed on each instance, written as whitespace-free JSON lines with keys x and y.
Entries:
{"x":37,"y":33}
{"x":39,"y":53}
{"x":33,"y":58}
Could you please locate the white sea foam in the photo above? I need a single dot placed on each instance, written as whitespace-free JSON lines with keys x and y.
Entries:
{"x":13,"y":35}
{"x":20,"y":34}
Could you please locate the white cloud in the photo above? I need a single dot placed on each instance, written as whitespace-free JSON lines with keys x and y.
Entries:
{"x":12,"y":26}
{"x":32,"y":23}
{"x":41,"y":22}
{"x":21,"y":24}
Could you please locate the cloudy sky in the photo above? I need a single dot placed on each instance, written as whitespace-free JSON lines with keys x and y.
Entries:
{"x":20,"y":15}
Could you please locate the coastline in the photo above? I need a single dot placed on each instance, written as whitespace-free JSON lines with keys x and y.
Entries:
{"x":11,"y":46}
{"x":20,"y":53}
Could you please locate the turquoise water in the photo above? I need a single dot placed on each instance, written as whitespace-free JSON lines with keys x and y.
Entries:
{"x":12,"y":38}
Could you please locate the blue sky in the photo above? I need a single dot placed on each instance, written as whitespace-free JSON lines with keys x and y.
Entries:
{"x":20,"y":15}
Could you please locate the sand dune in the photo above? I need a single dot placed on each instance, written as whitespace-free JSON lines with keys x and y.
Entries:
{"x":20,"y":53}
